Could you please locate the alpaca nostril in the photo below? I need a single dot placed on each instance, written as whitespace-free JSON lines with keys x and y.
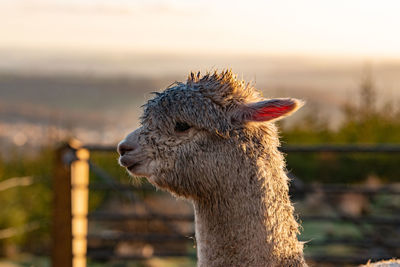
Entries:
{"x":124,"y":148}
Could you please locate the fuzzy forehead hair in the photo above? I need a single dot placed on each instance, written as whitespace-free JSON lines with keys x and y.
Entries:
{"x":203,"y":101}
{"x":224,"y":88}
{"x":212,"y":102}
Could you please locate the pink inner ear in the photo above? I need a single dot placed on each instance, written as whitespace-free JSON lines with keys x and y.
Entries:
{"x":273,"y":111}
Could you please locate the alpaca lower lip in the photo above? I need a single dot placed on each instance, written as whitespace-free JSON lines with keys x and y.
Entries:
{"x":130,"y":168}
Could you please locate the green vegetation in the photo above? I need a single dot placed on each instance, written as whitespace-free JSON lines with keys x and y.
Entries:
{"x":25,"y":209}
{"x":363,"y":123}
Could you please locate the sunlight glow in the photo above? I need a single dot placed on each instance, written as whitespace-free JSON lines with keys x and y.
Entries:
{"x":346,"y":27}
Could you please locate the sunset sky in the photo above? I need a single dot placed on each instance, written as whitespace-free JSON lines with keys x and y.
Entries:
{"x":316,"y":27}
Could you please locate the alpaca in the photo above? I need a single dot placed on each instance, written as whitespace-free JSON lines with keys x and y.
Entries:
{"x":212,"y":140}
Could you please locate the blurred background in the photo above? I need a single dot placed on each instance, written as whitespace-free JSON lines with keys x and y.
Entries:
{"x":82,"y":69}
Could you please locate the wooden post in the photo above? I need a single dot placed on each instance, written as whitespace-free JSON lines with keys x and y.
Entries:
{"x":61,"y":227}
{"x":70,"y":185}
{"x":79,"y":206}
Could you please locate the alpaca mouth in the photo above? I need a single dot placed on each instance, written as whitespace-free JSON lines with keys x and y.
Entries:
{"x":128,"y":162}
{"x":133,"y":166}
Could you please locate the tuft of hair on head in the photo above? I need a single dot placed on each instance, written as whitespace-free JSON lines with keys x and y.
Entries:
{"x":223,"y":87}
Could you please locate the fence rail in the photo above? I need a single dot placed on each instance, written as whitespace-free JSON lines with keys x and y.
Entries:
{"x":310,"y":188}
{"x":339,"y":148}
{"x":381,"y":220}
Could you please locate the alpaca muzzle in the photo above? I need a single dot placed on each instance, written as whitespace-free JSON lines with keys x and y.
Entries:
{"x":131,"y":155}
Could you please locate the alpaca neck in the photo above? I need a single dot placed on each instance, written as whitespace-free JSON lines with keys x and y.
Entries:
{"x":250,"y":224}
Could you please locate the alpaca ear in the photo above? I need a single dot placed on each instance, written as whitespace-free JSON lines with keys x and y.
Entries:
{"x":269,"y":110}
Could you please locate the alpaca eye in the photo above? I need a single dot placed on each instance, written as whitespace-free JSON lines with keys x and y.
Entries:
{"x":181,"y":127}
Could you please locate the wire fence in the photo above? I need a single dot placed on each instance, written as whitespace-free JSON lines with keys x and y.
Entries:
{"x":145,"y":232}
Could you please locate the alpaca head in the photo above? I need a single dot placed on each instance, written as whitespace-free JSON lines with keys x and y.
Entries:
{"x":195,"y":134}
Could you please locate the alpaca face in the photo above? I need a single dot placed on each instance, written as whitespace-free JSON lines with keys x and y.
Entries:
{"x":194,"y":135}
{"x":171,"y":148}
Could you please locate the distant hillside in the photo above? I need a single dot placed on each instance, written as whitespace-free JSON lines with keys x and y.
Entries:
{"x":98,"y":98}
